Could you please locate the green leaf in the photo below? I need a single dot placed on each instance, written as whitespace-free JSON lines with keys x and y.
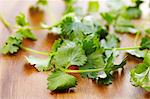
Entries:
{"x":71,"y":54}
{"x":147,"y":59}
{"x":140,"y":75}
{"x":123,"y":25}
{"x":137,"y":53}
{"x":132,"y":13}
{"x":147,"y":32}
{"x":94,"y":60}
{"x":59,"y":81}
{"x":121,"y":21}
{"x":42,"y":2}
{"x":145,"y":44}
{"x":105,"y":77}
{"x":93,"y":6}
{"x":26,"y":33}
{"x":69,"y":9}
{"x":14,"y":41}
{"x":92,"y":75}
{"x":108,"y":17}
{"x":122,"y":29}
{"x":21,"y":20}
{"x":90,"y":44}
{"x":39,"y":64}
{"x":111,"y":41}
{"x":109,"y":64}
{"x":11,"y":45}
{"x":72,"y":29}
{"x":56,"y":45}
{"x":66,"y":26}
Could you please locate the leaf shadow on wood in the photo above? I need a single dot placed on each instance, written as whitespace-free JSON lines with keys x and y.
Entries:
{"x":36,"y":15}
{"x":28,"y":69}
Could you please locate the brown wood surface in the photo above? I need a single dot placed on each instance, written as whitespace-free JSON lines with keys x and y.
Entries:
{"x":18,"y":80}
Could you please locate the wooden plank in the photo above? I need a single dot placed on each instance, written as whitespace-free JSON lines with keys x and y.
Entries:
{"x":18,"y":80}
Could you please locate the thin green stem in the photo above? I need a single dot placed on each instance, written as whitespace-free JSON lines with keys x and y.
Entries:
{"x":46,"y":53}
{"x":49,"y":27}
{"x":80,"y":71}
{"x":136,"y":38}
{"x":31,"y":27}
{"x":34,"y":51}
{"x":125,"y":48}
{"x":5,"y":23}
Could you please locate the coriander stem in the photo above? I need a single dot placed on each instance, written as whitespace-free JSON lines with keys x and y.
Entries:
{"x":31,"y":27}
{"x":80,"y":71}
{"x":136,"y":38}
{"x":5,"y":23}
{"x":34,"y":51}
{"x":125,"y":48}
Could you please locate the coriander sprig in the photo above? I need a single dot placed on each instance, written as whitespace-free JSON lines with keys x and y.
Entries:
{"x":14,"y":41}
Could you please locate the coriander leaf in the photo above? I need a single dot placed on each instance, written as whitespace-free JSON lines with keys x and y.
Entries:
{"x":14,"y":41}
{"x":79,"y":27}
{"x":69,"y":9}
{"x":42,"y":2}
{"x":145,"y":44}
{"x":93,"y":6}
{"x":147,"y":59}
{"x":137,"y":53}
{"x":71,"y":54}
{"x":123,"y":25}
{"x":26,"y":33}
{"x":109,"y":64}
{"x":21,"y":20}
{"x":53,"y":50}
{"x":140,"y":75}
{"x":109,"y":18}
{"x":121,"y":21}
{"x":39,"y":64}
{"x":90,"y":44}
{"x":11,"y":45}
{"x":132,"y":13}
{"x":94,"y":60}
{"x":124,"y":29}
{"x":66,"y":26}
{"x":71,"y":29}
{"x":105,"y":77}
{"x":147,"y":32}
{"x":111,"y":41}
{"x":92,"y":75}
{"x":56,"y":45}
{"x":59,"y":81}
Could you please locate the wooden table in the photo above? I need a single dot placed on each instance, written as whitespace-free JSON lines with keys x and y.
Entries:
{"x":18,"y":80}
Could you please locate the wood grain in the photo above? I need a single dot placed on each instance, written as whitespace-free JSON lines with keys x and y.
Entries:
{"x":18,"y":80}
